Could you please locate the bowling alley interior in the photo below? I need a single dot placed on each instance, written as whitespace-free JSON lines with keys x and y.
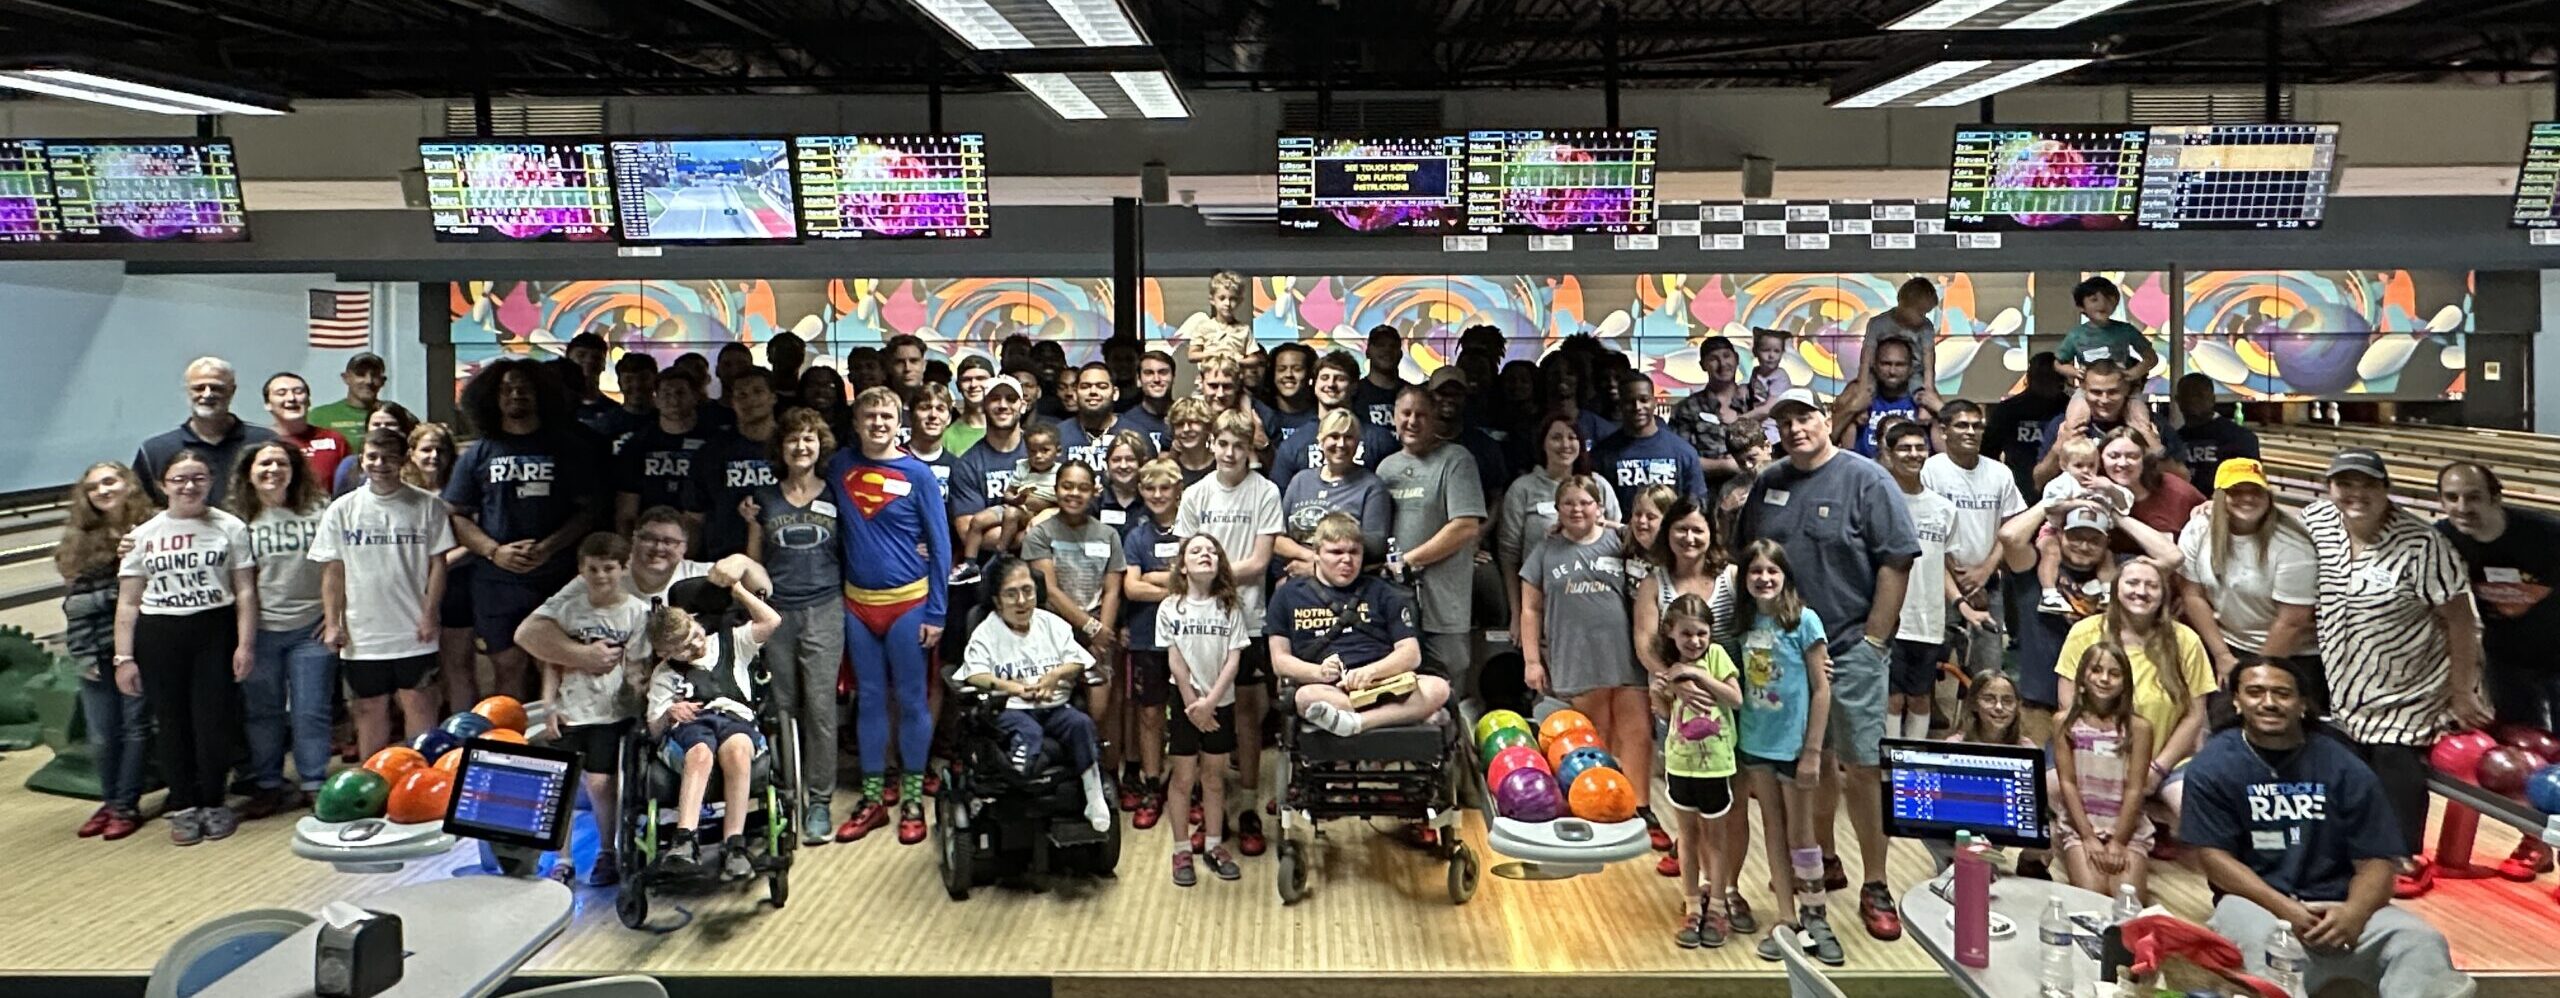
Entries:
{"x":1125,"y":498}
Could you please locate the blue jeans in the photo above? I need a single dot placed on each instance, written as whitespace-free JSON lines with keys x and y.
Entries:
{"x":119,"y":740}
{"x":290,"y":696}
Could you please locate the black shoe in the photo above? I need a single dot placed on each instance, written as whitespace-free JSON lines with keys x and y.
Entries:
{"x":734,"y":864}
{"x":682,"y":858}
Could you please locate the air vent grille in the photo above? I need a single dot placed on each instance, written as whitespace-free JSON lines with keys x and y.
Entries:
{"x":528,"y":118}
{"x":2206,"y":106}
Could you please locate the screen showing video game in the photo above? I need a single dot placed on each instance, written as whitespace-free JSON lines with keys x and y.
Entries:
{"x":2258,"y":176}
{"x":2045,"y":177}
{"x":26,"y":194}
{"x":892,"y":186}
{"x":1597,"y":180}
{"x":704,"y":190}
{"x":1362,"y":185}
{"x":2537,"y":179}
{"x":147,"y":190}
{"x":518,"y":190}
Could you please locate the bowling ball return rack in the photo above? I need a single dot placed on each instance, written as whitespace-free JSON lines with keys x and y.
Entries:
{"x":2464,"y":804}
{"x":1561,"y":849}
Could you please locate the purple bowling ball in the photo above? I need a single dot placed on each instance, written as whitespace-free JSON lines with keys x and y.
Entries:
{"x":2318,"y":353}
{"x":1528,"y":795}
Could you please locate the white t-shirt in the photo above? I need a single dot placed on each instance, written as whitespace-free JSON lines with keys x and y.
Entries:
{"x":288,"y":582}
{"x":2245,"y":592}
{"x":1924,"y":603}
{"x":1983,"y":497}
{"x":386,"y":544}
{"x":995,"y":650}
{"x":1235,"y":517}
{"x":1204,"y":634}
{"x":186,"y":564}
{"x":593,"y":698}
{"x":685,"y":570}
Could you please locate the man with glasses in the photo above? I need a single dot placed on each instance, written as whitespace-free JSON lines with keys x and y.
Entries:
{"x":1983,"y":491}
{"x":657,"y":563}
{"x":210,"y":429}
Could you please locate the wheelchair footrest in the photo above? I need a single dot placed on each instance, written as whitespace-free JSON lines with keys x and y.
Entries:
{"x":1071,"y":832}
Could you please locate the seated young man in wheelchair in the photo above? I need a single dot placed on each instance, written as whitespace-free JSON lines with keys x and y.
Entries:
{"x":1033,"y":657}
{"x":1347,"y":639}
{"x":702,"y":708}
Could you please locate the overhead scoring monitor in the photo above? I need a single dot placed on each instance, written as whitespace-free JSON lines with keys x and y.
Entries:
{"x":1598,"y":180}
{"x":704,"y":190}
{"x":1373,"y":184}
{"x":147,"y":190}
{"x":2536,"y":180}
{"x":510,"y":190}
{"x":2045,"y":177}
{"x":2256,"y":176}
{"x":26,"y":194}
{"x":892,"y":186}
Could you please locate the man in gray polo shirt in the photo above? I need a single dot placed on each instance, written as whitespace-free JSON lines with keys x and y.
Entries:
{"x":1439,"y":513}
{"x":1850,"y":544}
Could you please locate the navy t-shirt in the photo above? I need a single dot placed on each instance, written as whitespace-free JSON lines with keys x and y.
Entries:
{"x":1074,"y":444}
{"x":2014,"y":434}
{"x":982,"y":476}
{"x":725,"y":470}
{"x":1139,"y":419}
{"x":523,"y":488}
{"x":2209,"y":443}
{"x":1375,"y":404}
{"x":1878,"y":411}
{"x":657,"y":465}
{"x":1279,"y":422}
{"x":2299,"y":820}
{"x":1299,"y":451}
{"x":1361,"y":622}
{"x":1150,"y":549}
{"x":1630,"y":464}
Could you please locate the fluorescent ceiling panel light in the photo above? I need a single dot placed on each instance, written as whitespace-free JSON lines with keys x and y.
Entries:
{"x":1941,"y":15}
{"x":1002,"y":25}
{"x":1913,"y":82}
{"x":1974,"y":15}
{"x":2018,"y":77}
{"x":1101,"y":23}
{"x":1061,"y":94}
{"x":19,"y":81}
{"x":198,"y":103}
{"x":976,"y":23}
{"x":2065,"y":12}
{"x":1153,"y":92}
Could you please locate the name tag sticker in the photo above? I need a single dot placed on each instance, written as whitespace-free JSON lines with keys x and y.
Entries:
{"x":1546,"y":508}
{"x":2376,"y":577}
{"x":896,"y":486}
{"x":1097,"y":549}
{"x":1167,"y":550}
{"x":1776,"y":497}
{"x":823,"y":507}
{"x":2267,"y":841}
{"x":2507,"y":575}
{"x":1115,"y":517}
{"x":1608,"y":563}
{"x":533,"y":490}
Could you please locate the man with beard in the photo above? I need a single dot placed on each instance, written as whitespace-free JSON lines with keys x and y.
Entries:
{"x":210,"y":429}
{"x":1147,"y":409}
{"x":1336,"y":374}
{"x":522,"y":498}
{"x":1641,"y":453}
{"x":1701,"y":418}
{"x":1087,"y":437}
{"x":733,"y":465}
{"x":1376,"y":398}
{"x":983,"y":477}
{"x":906,"y":362}
{"x":1868,"y":402}
{"x":288,"y":399}
{"x":364,"y":377}
{"x":656,"y":466}
{"x":2513,"y":554}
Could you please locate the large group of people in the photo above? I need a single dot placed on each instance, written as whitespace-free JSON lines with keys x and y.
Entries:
{"x":1140,"y":575}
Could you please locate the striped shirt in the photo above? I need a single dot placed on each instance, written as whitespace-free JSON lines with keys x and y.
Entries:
{"x":2388,"y":664}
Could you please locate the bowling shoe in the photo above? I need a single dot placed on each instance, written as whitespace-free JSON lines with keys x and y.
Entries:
{"x":2415,"y":881}
{"x":97,"y":823}
{"x":1249,"y":838}
{"x":868,"y":815}
{"x":1875,"y":907}
{"x":2531,"y":859}
{"x":1669,"y":866}
{"x":910,"y":822}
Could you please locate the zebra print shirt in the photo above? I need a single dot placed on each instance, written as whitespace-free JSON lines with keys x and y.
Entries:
{"x":2383,"y":648}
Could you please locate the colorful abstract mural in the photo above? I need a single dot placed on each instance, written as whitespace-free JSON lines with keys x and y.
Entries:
{"x":2301,"y":334}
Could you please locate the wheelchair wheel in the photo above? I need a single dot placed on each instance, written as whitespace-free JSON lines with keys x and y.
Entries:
{"x":790,"y":801}
{"x":631,"y":904}
{"x":951,"y":844}
{"x":1106,"y":854}
{"x":778,"y":884}
{"x":1293,"y":871}
{"x":1462,"y":873}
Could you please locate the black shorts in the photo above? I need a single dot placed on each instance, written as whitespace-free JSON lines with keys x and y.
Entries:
{"x":383,"y":677}
{"x":1184,"y":741}
{"x":455,"y":612}
{"x":599,"y":746}
{"x":1708,"y":796}
{"x":1783,"y":769}
{"x":501,"y":600}
{"x":1150,"y":678}
{"x":1255,"y":668}
{"x":1915,"y":667}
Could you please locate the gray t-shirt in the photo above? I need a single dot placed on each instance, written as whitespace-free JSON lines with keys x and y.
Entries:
{"x":1361,"y":494}
{"x":1587,"y":635}
{"x":1529,"y":512}
{"x":1838,"y":523}
{"x":288,"y":582}
{"x":1428,"y":492}
{"x":800,"y":549}
{"x":1083,"y":556}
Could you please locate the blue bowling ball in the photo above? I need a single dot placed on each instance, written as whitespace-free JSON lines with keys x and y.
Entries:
{"x":467,"y":725}
{"x":434,"y":744}
{"x":2542,"y":789}
{"x":1580,"y":759}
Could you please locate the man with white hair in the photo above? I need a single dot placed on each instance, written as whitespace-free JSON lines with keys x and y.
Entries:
{"x":210,"y":429}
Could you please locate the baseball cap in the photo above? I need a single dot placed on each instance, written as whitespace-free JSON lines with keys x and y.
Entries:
{"x":2239,"y":471}
{"x":366,"y":361}
{"x":1007,"y":381}
{"x":1794,"y":396}
{"x":2360,"y":461}
{"x":1448,"y":374}
{"x":2085,"y":517}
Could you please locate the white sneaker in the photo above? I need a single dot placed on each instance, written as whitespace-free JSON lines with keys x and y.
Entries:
{"x":2053,"y":603}
{"x":1343,"y":722}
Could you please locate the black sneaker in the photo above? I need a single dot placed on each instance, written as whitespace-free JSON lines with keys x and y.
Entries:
{"x":1222,"y":864}
{"x":1183,"y":875}
{"x":607,"y":871}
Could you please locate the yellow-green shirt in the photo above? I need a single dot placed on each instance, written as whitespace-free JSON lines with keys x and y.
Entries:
{"x":1712,"y":756}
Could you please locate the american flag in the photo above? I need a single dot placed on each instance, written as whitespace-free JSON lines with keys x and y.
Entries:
{"x":341,"y":320}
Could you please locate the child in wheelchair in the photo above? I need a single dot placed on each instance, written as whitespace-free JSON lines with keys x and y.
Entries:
{"x":702,"y":710}
{"x":1032,"y":657}
{"x":1339,"y":633}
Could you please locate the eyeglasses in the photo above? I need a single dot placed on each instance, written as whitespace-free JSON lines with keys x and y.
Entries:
{"x":187,"y":482}
{"x":1017,"y":593}
{"x":1987,"y":700}
{"x":659,"y":541}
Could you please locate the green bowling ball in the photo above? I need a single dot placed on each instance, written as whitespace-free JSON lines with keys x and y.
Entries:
{"x":1497,"y":720}
{"x":352,"y":794}
{"x":1503,"y":738}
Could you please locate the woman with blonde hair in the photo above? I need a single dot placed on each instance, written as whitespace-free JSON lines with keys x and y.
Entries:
{"x":106,"y":505}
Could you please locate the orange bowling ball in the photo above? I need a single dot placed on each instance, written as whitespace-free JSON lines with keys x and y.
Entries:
{"x":420,"y":797}
{"x":1560,"y":722}
{"x":450,"y":762}
{"x":1557,"y":746}
{"x":506,"y":713}
{"x":1600,"y":794}
{"x":393,"y":761}
{"x":503,"y":735}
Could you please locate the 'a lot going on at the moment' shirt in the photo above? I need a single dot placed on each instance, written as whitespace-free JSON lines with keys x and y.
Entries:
{"x":1151,"y":548}
{"x":593,"y":698}
{"x":1428,"y":492}
{"x":996,"y":649}
{"x":1983,"y":497}
{"x":2512,"y":579}
{"x":1838,"y":523}
{"x":728,"y":468}
{"x":185,"y":564}
{"x":522,"y":488}
{"x":386,"y":544}
{"x":288,"y":582}
{"x":657,"y":466}
{"x":1630,"y":463}
{"x":1924,"y":601}
{"x":1585,"y":628}
{"x":1237,"y":517}
{"x":1081,"y":557}
{"x":1360,"y":622}
{"x":2390,"y":672}
{"x":2300,"y":820}
{"x":801,"y":550}
{"x":1202,"y":632}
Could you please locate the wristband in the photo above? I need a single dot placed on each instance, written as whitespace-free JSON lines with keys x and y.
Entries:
{"x":123,"y":659}
{"x":1873,"y":641}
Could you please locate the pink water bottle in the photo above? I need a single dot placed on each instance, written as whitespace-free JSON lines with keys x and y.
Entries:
{"x":1973,"y":901}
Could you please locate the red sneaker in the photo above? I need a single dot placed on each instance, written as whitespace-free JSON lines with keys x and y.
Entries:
{"x":1249,"y":840}
{"x":1130,"y":796}
{"x":97,"y":822}
{"x":1149,"y":811}
{"x":119,"y":826}
{"x":911,"y":823}
{"x":2415,"y":881}
{"x":2531,"y":859}
{"x":1875,"y":907}
{"x":1661,"y":839}
{"x":1195,"y":816}
{"x":867,"y":815}
{"x":1670,"y":865}
{"x":932,"y":785}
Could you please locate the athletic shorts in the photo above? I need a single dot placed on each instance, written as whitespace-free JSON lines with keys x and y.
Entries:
{"x":1150,"y":678}
{"x":1783,"y":769}
{"x":599,"y":746}
{"x":455,"y":612}
{"x":708,"y":729}
{"x":1858,"y":681}
{"x":1708,"y":796}
{"x":1255,"y":667}
{"x":501,"y":600}
{"x":1915,"y":667}
{"x":383,"y":677}
{"x":1184,"y":741}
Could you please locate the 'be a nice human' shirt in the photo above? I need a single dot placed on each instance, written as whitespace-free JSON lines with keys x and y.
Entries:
{"x":185,"y":564}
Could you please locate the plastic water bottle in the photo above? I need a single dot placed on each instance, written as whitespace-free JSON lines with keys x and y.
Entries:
{"x":2111,"y":949}
{"x":1395,"y":560}
{"x":2286,"y":960}
{"x":2128,"y":904}
{"x":2054,"y":932}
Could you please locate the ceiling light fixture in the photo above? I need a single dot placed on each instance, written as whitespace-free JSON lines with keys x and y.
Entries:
{"x":2013,"y":77}
{"x":16,"y":81}
{"x":1972,"y":15}
{"x":1007,"y":25}
{"x":1956,"y":70}
{"x":97,"y":81}
{"x":1087,"y":95}
{"x":1061,"y":94}
{"x":200,"y":103}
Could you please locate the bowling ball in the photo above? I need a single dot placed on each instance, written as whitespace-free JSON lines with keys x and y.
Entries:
{"x":2542,"y":789}
{"x":2528,"y":738}
{"x":2458,"y":755}
{"x":504,"y":712}
{"x":450,"y":762}
{"x":467,"y":725}
{"x":1528,"y":795}
{"x":420,"y":797}
{"x":1580,"y":759}
{"x":1562,"y":721}
{"x":352,"y":794}
{"x":1501,"y":719}
{"x":1559,"y":745}
{"x":435,"y":743}
{"x":2503,"y":770}
{"x":1515,"y":757}
{"x":1602,"y":795}
{"x":2315,"y":354}
{"x":1504,"y":738}
{"x":395,"y":760}
{"x":504,"y":735}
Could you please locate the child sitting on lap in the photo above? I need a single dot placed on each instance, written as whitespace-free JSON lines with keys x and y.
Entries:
{"x":702,"y":708}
